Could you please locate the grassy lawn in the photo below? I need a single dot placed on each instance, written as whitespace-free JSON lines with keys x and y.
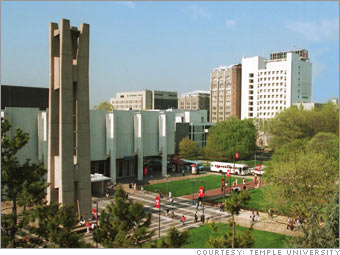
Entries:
{"x":199,"y":236}
{"x":184,"y":187}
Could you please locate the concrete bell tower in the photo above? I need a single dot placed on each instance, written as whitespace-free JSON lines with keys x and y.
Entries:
{"x":69,"y":127}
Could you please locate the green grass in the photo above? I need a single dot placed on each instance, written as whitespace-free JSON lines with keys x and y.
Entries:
{"x":198,"y":237}
{"x":256,"y":201}
{"x":184,"y":187}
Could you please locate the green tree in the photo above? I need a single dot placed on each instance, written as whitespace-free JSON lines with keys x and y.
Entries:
{"x":188,"y":148}
{"x":325,"y":142}
{"x":243,"y":239}
{"x":232,"y":134}
{"x":300,"y":183}
{"x":233,"y":205}
{"x":174,"y":239}
{"x":104,"y":106}
{"x":297,"y":123}
{"x":123,"y":223}
{"x":21,"y":185}
{"x":52,"y":226}
{"x":318,"y":234}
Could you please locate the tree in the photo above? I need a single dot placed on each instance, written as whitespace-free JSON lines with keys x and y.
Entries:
{"x":243,"y":239}
{"x":232,"y":134}
{"x":233,"y":205}
{"x":52,"y":226}
{"x":325,"y":142}
{"x":297,"y":185}
{"x":188,"y":148}
{"x":319,"y":235}
{"x":21,"y":185}
{"x":104,"y":106}
{"x":297,"y":123}
{"x":123,"y":223}
{"x":174,"y":239}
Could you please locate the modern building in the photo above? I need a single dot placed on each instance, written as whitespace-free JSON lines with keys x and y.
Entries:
{"x":194,"y":100}
{"x":272,"y":85}
{"x":20,"y":96}
{"x":120,"y":141}
{"x":145,"y":100}
{"x":225,"y":93}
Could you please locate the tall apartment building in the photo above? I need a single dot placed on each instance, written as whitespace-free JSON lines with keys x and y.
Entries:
{"x":145,"y":100}
{"x":270,"y":86}
{"x":194,"y":100}
{"x":225,"y":93}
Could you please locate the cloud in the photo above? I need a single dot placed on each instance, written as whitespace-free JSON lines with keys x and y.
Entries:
{"x":324,"y":30}
{"x":198,"y":12}
{"x":129,"y":4}
{"x":230,"y":23}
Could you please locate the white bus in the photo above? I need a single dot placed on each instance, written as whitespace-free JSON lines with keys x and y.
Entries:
{"x":222,"y":167}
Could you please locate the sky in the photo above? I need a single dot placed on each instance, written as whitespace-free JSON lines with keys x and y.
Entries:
{"x":170,"y":45}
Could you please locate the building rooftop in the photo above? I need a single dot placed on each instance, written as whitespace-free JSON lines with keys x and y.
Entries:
{"x":196,"y":92}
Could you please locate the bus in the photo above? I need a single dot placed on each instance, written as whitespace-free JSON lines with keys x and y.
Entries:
{"x":222,"y":167}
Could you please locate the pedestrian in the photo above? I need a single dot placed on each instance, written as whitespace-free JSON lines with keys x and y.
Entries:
{"x":236,"y":181}
{"x":291,"y":225}
{"x":257,"y":215}
{"x":271,"y":213}
{"x":197,"y":205}
{"x":234,"y":185}
{"x":93,"y":226}
{"x":172,"y":201}
{"x":107,"y":193}
{"x":142,"y":190}
{"x":167,"y":212}
{"x":255,"y":178}
{"x":222,"y":207}
{"x":196,"y":217}
{"x":134,"y":187}
{"x":252,"y":217}
{"x":82,"y":221}
{"x":87,"y":227}
{"x":170,"y":195}
{"x":161,"y":195}
{"x":183,"y":219}
{"x":288,"y":222}
{"x":244,"y":184}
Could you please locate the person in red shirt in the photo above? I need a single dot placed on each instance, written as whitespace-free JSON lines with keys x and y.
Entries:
{"x":183,"y":219}
{"x":87,"y":227}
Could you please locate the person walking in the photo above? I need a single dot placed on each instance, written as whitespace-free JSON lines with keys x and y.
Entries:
{"x":197,"y":205}
{"x":88,"y":227}
{"x":196,"y":217}
{"x":142,"y":190}
{"x":172,"y":201}
{"x":257,"y":218}
{"x":134,"y":187}
{"x":183,"y":219}
{"x":244,"y":184}
{"x":236,"y":181}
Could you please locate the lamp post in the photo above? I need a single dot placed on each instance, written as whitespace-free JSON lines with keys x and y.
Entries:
{"x":203,"y":196}
{"x":166,"y":185}
{"x":193,"y":182}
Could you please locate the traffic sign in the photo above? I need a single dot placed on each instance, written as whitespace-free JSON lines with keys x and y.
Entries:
{"x":258,"y":167}
{"x":157,"y":202}
{"x":200,"y":191}
{"x":236,"y":155}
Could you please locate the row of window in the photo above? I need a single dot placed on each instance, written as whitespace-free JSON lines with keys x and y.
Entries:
{"x":273,"y":72}
{"x":126,"y":102}
{"x":270,"y":96}
{"x":271,"y":102}
{"x":270,"y":90}
{"x":273,"y":78}
{"x":273,"y":84}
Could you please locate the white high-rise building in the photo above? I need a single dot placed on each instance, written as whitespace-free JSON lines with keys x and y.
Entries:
{"x":270,"y":86}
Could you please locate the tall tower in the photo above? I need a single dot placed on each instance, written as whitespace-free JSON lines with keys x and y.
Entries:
{"x":69,"y":127}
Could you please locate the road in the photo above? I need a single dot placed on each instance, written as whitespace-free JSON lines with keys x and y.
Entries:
{"x":181,"y":206}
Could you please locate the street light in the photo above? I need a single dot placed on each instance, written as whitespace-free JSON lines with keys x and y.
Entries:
{"x":166,"y":189}
{"x":203,"y":196}
{"x":193,"y":182}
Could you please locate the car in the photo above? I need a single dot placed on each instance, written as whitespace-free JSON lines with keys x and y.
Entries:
{"x":254,"y":171}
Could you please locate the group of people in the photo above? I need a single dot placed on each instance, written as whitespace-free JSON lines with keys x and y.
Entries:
{"x":110,"y":191}
{"x":88,"y":224}
{"x":254,"y":217}
{"x":293,"y":223}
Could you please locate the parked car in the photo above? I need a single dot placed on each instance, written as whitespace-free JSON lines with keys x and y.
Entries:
{"x":256,"y":171}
